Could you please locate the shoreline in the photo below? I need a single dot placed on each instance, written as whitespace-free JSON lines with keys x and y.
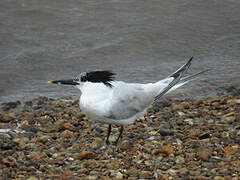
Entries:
{"x":181,"y":93}
{"x":176,"y":139}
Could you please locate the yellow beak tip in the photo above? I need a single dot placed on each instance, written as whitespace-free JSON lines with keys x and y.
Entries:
{"x":50,"y":82}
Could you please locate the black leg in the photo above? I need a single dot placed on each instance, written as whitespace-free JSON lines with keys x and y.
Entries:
{"x":108,"y":134}
{"x":120,"y":135}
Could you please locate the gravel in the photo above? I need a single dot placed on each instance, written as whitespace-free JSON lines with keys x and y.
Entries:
{"x":177,"y":139}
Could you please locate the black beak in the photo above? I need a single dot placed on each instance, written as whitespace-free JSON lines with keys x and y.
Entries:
{"x":65,"y":82}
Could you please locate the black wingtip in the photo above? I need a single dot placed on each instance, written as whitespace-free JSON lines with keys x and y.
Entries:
{"x":183,"y":68}
{"x":190,"y":60}
{"x":177,"y":77}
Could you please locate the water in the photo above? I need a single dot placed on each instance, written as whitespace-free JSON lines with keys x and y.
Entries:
{"x":142,"y":41}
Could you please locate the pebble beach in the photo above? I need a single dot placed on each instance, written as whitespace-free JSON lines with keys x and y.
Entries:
{"x":193,"y":134}
{"x":176,"y":139}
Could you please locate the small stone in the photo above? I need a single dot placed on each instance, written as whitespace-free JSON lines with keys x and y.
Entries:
{"x":85,"y":118}
{"x":199,"y":177}
{"x":84,"y":155}
{"x":185,"y":105}
{"x":67,"y":126}
{"x":153,"y":133}
{"x":55,"y":155}
{"x":237,"y":117}
{"x":178,"y":107}
{"x":119,"y":175}
{"x":92,"y":177}
{"x":34,"y":155}
{"x":44,"y":139}
{"x":230,"y":150}
{"x":180,"y":113}
{"x":67,"y":173}
{"x":219,"y":178}
{"x":179,"y":142}
{"x":237,"y":101}
{"x":221,"y":164}
{"x":228,"y":119}
{"x":172,"y":172}
{"x":10,"y":105}
{"x":204,"y":136}
{"x":165,"y":177}
{"x":156,"y":152}
{"x":28,"y":103}
{"x":228,"y":114}
{"x":183,"y":170}
{"x":32,"y":178}
{"x":95,"y":145}
{"x":236,"y":163}
{"x":204,"y":155}
{"x":165,"y":132}
{"x":67,"y":134}
{"x":197,"y":102}
{"x":166,"y":149}
{"x":7,"y":117}
{"x":148,"y":163}
{"x":180,"y":160}
{"x":145,"y":174}
{"x":80,"y":115}
{"x":211,"y":121}
{"x":23,"y":140}
{"x":151,"y":138}
{"x":9,"y":162}
{"x":7,"y":144}
{"x":189,"y":121}
{"x":225,"y":135}
{"x":215,"y":159}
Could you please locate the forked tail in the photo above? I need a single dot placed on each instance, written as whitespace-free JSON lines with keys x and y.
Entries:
{"x":177,"y":79}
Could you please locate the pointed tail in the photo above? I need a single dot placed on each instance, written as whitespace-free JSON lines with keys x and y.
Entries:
{"x":187,"y":79}
{"x":176,"y":78}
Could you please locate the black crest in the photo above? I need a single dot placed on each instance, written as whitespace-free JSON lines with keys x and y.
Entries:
{"x":99,"y":76}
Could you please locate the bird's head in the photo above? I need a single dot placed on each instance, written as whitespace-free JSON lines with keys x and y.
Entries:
{"x":104,"y":77}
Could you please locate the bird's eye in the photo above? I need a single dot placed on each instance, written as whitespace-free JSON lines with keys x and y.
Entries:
{"x":76,"y":79}
{"x":83,"y":78}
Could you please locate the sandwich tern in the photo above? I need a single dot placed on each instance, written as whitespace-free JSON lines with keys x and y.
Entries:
{"x":116,"y":102}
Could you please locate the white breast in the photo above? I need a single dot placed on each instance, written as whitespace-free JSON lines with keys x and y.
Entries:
{"x":121,"y":104}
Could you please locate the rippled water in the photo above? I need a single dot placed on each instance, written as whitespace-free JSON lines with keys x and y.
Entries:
{"x":142,"y":41}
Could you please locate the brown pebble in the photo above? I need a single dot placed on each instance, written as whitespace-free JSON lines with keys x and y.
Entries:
{"x":84,"y":155}
{"x":236,"y":163}
{"x":66,"y":134}
{"x":230,"y":149}
{"x":145,"y":174}
{"x":204,"y":155}
{"x":201,"y":178}
{"x":67,"y":126}
{"x":166,"y":149}
{"x":178,"y":107}
{"x":165,"y":177}
{"x":67,"y":173}
{"x":7,"y":117}
{"x":32,"y":178}
{"x":185,"y":105}
{"x":221,"y":164}
{"x":197,"y":102}
{"x":237,"y":118}
{"x":156,"y":152}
